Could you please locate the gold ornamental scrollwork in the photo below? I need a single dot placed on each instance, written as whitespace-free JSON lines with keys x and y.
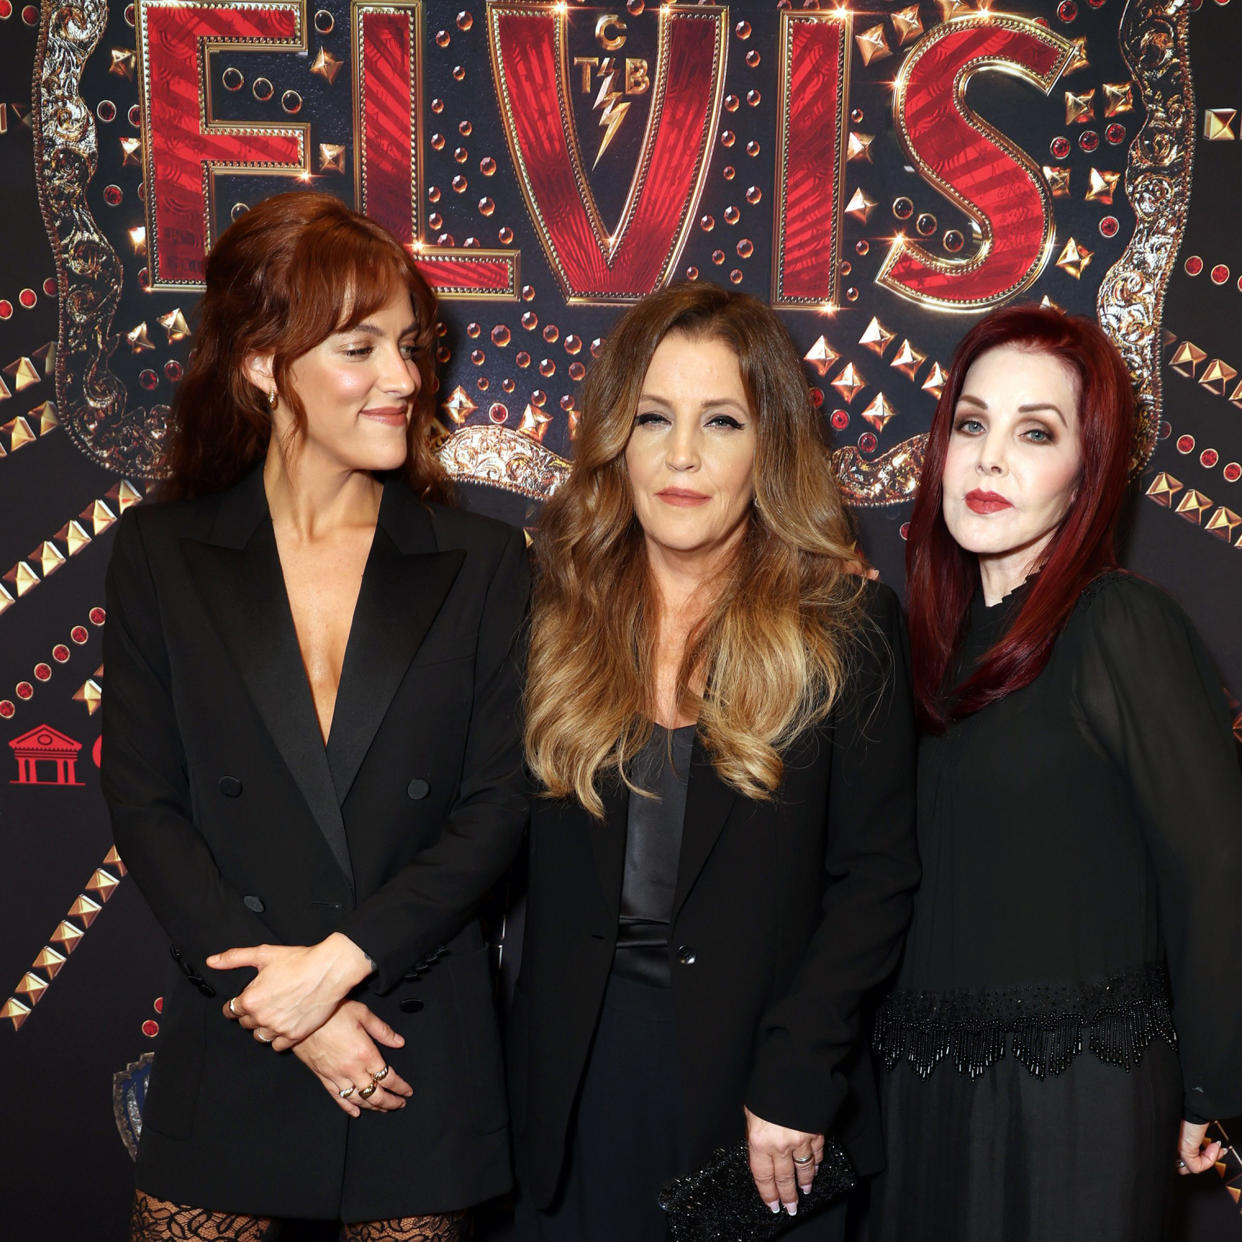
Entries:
{"x":91,"y":400}
{"x":1130,"y":301}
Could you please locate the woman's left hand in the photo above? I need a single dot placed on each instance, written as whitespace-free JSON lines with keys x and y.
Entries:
{"x":782,"y":1161}
{"x":1192,"y":1156}
{"x":297,"y":988}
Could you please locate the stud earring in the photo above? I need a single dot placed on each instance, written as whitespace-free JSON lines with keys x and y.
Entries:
{"x":272,"y":398}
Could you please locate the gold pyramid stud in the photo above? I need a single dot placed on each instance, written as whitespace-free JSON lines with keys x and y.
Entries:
{"x":858,"y":147}
{"x":1079,"y":108}
{"x":24,"y":373}
{"x":326,"y":66}
{"x":139,"y":338}
{"x":459,"y":407}
{"x":1074,"y":258}
{"x":1223,"y":523}
{"x":1058,"y":180}
{"x":331,"y":157}
{"x":907,"y":25}
{"x":125,"y":494}
{"x":907,"y":359}
{"x":20,"y":433}
{"x":872,"y":45}
{"x":1163,"y":488}
{"x":89,"y":693}
{"x":1192,"y":505}
{"x":15,"y":1011}
{"x":821,"y":356}
{"x":1118,"y":98}
{"x":849,"y":382}
{"x":934,"y":383}
{"x":32,"y":985}
{"x":1218,"y":124}
{"x":1186,"y":357}
{"x":138,"y":239}
{"x":876,"y":337}
{"x":85,"y":909}
{"x":860,"y":206}
{"x":131,"y":152}
{"x":49,"y":960}
{"x":68,"y":934}
{"x":879,"y":412}
{"x":534,"y":423}
{"x":175,"y":325}
{"x":1100,"y":186}
{"x":49,"y":556}
{"x":1216,"y":375}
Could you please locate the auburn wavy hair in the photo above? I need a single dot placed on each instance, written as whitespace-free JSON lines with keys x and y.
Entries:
{"x":942,"y":577}
{"x":283,"y":277}
{"x":774,"y":644}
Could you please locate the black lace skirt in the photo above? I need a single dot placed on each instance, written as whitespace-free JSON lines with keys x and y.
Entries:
{"x":1005,"y":1156}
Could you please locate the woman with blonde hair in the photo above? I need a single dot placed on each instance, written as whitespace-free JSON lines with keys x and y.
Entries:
{"x":719,"y":720}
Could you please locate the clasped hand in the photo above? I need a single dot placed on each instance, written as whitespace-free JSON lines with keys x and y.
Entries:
{"x":782,"y":1161}
{"x":297,"y":988}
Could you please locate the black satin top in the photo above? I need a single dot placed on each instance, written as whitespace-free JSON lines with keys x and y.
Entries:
{"x":652,"y":852}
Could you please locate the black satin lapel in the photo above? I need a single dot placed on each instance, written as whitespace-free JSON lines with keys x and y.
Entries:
{"x":244,"y":594}
{"x":709,"y":802}
{"x":397,"y":602}
{"x":608,"y":846}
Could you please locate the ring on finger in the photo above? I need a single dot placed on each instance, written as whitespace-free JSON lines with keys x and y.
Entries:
{"x":346,"y":1092}
{"x":803,"y":1159}
{"x":263,"y":1039}
{"x":1181,"y":1164}
{"x":232,"y":1008}
{"x":365,"y":1093}
{"x":380,"y":1074}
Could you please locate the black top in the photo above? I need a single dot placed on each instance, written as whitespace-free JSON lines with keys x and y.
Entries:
{"x":1082,"y":846}
{"x":652,"y":849}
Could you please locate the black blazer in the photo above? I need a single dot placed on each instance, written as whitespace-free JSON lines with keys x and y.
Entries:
{"x":787,"y":914}
{"x":240,"y":827}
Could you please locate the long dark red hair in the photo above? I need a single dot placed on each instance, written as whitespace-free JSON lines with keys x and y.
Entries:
{"x":941,"y":577}
{"x":285,"y":276}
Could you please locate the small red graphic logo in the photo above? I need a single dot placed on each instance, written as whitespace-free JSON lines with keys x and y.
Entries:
{"x":45,"y":756}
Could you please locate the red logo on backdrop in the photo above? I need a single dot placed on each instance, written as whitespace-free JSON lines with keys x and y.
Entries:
{"x":45,"y":756}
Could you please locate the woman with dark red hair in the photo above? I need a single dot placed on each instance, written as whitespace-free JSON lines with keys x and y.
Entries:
{"x":1068,"y":996}
{"x":311,"y":755}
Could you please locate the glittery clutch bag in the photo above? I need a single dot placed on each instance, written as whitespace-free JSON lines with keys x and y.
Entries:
{"x":719,"y":1202}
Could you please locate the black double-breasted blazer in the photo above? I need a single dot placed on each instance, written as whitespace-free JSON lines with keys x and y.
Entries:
{"x":787,"y":915}
{"x":241,"y":827}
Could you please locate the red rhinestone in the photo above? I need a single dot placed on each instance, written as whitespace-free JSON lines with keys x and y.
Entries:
{"x":1095,"y":4}
{"x":150,"y":1028}
{"x":27,"y":298}
{"x":129,"y":14}
{"x":6,"y":309}
{"x":49,"y":287}
{"x":97,"y":616}
{"x":904,"y":530}
{"x":159,"y":1004}
{"x":1193,"y":265}
{"x":1163,"y":430}
{"x":134,"y":115}
{"x":1109,"y":226}
{"x":1209,"y":458}
{"x":24,"y":689}
{"x":1185,"y":444}
{"x":113,"y":195}
{"x":1232,"y":473}
{"x":6,"y":708}
{"x":840,"y":419}
{"x":6,"y":9}
{"x":30,"y":15}
{"x":1067,"y":10}
{"x":42,"y":672}
{"x":1060,"y":147}
{"x":60,"y":653}
{"x":1220,"y":274}
{"x":78,"y":634}
{"x":148,"y":379}
{"x":1115,"y":133}
{"x":1089,"y":140}
{"x":817,"y":397}
{"x":866,"y":442}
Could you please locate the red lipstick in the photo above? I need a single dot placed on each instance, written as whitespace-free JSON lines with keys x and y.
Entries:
{"x":980,"y":501}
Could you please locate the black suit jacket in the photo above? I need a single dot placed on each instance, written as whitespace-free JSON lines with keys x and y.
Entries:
{"x":787,"y":915}
{"x":240,"y":827}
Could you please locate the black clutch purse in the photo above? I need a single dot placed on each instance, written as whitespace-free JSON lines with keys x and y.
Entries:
{"x":719,"y":1202}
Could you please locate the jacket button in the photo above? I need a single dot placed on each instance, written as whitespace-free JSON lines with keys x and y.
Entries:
{"x":230,"y":786}
{"x":206,"y":989}
{"x":686,"y":955}
{"x":411,"y":1005}
{"x":251,"y":902}
{"x":418,"y":788}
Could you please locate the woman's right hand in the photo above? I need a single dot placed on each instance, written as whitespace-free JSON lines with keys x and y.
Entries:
{"x":343,"y":1054}
{"x":1192,"y":1155}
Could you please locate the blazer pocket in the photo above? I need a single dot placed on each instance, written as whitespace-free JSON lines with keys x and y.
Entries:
{"x":480,"y":1039}
{"x":176,"y":1072}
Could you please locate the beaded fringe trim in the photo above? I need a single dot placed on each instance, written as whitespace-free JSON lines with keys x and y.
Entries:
{"x":1044,"y":1026}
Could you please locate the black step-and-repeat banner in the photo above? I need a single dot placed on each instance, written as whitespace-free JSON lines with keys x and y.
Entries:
{"x":882,"y":174}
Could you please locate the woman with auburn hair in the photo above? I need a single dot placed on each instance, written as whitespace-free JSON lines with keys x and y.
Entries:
{"x":721,"y":855}
{"x":312,"y":757}
{"x":1080,"y":825}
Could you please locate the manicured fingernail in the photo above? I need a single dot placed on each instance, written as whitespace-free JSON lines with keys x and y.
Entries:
{"x":775,"y":1205}
{"x":806,"y":1190}
{"x":792,"y":1209}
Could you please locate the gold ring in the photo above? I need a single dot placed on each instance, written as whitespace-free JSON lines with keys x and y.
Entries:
{"x":365,"y":1093}
{"x":348,"y":1091}
{"x":803,"y":1159}
{"x":381,"y":1075}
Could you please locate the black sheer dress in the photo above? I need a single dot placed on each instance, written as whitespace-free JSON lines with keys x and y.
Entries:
{"x":1069,"y":989}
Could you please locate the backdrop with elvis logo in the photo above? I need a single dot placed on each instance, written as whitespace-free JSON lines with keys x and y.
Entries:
{"x":882,"y":174}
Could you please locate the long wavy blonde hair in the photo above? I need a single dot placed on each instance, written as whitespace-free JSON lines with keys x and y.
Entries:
{"x":773,"y":646}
